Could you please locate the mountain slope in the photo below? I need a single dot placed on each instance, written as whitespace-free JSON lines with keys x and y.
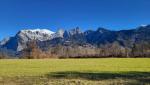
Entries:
{"x":19,"y":41}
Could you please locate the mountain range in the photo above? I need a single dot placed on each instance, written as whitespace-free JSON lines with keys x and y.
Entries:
{"x":75,"y":37}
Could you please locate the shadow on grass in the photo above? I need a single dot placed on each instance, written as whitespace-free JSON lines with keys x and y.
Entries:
{"x":138,"y":76}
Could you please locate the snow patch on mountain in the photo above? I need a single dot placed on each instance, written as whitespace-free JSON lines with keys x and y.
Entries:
{"x":36,"y":31}
{"x":36,"y":34}
{"x":143,"y":25}
{"x":4,"y":41}
{"x":58,"y":34}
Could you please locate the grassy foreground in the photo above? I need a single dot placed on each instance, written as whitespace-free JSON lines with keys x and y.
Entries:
{"x":104,"y":71}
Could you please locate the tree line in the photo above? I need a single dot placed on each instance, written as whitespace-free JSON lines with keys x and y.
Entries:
{"x":33,"y":51}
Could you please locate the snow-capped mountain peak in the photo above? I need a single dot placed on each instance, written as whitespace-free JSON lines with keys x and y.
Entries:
{"x":35,"y":34}
{"x":42,"y":31}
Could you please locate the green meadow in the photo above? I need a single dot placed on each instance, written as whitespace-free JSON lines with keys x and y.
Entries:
{"x":103,"y":71}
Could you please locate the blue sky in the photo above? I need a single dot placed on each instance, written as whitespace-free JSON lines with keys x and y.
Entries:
{"x":87,"y":14}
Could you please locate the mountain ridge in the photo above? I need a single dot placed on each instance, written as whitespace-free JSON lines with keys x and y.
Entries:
{"x":70,"y":38}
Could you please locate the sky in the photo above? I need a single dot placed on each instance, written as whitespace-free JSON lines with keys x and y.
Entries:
{"x":67,"y":14}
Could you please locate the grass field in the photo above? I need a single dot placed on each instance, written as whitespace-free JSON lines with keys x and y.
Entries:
{"x":104,"y":71}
